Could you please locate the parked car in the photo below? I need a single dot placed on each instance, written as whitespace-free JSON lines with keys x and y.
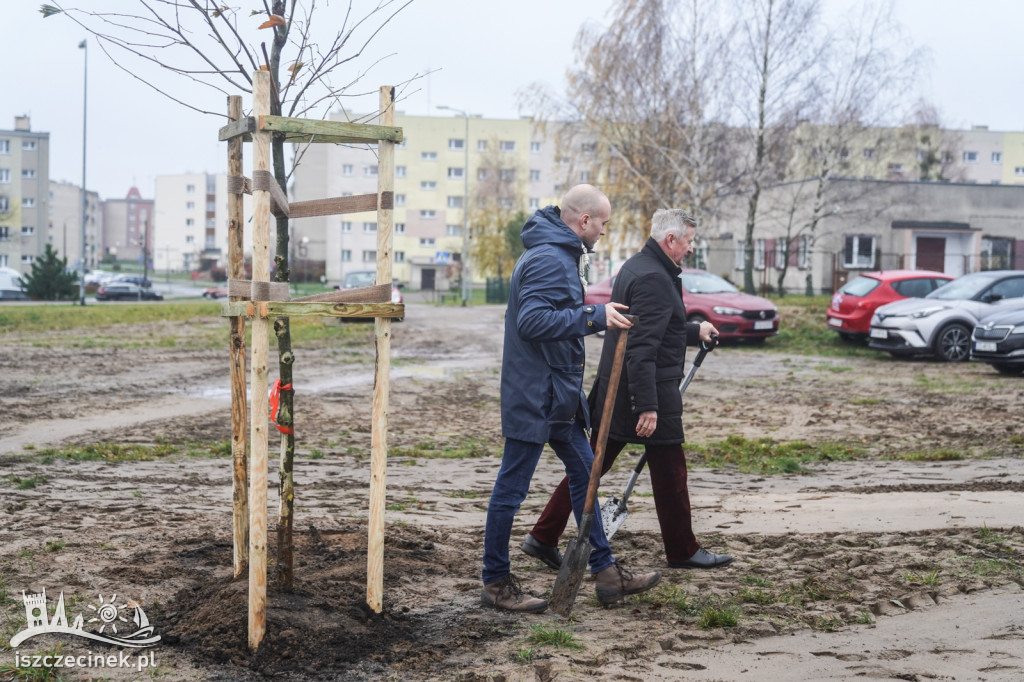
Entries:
{"x":216,"y":292}
{"x":999,"y":340}
{"x":856,"y":301}
{"x":941,"y":322}
{"x":126,"y":291}
{"x":131,"y":279}
{"x":709,"y":297}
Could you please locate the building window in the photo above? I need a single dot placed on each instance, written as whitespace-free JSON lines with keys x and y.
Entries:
{"x":803,"y":259}
{"x":190,"y":239}
{"x":28,"y":173}
{"x":535,"y":147}
{"x":370,"y":171}
{"x":27,"y":259}
{"x":428,"y":156}
{"x":370,"y":256}
{"x":5,"y":176}
{"x":481,"y":173}
{"x":190,"y":205}
{"x":399,"y":171}
{"x":346,"y":255}
{"x":399,"y":256}
{"x":5,"y":261}
{"x":997,"y":157}
{"x":739,"y":256}
{"x":1018,"y":171}
{"x":399,"y":228}
{"x":426,"y":241}
{"x":346,"y":226}
{"x":190,"y":222}
{"x":534,"y":176}
{"x":456,"y":173}
{"x":28,"y":144}
{"x":895,"y":169}
{"x":428,"y":185}
{"x":428,"y":214}
{"x":759,"y":254}
{"x":190,"y":189}
{"x":5,"y":204}
{"x":5,"y":146}
{"x":584,"y":176}
{"x":28,"y":202}
{"x":369,"y":228}
{"x":27,"y":230}
{"x":534,"y":203}
{"x":869,"y":153}
{"x":508,"y":174}
{"x":456,"y":144}
{"x":996,"y":253}
{"x":506,"y":202}
{"x":347,"y":169}
{"x":454,"y":202}
{"x":399,"y":200}
{"x":780,"y":254}
{"x":859,"y":251}
{"x":5,"y":234}
{"x":589,"y":147}
{"x":507,"y":145}
{"x":921,"y":155}
{"x":947,"y":157}
{"x":481,"y":145}
{"x":452,"y":230}
{"x":970,"y":157}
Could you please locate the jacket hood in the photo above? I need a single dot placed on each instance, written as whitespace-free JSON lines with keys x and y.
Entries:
{"x":546,"y":227}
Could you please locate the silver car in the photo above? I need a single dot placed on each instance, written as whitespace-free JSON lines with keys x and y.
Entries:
{"x":940,"y":324}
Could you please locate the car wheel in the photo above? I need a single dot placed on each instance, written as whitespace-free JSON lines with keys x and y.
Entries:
{"x":1008,"y":370}
{"x":953,"y":344}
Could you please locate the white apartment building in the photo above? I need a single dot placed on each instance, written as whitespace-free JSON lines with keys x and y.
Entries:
{"x":65,"y":224}
{"x":432,"y":167}
{"x":190,"y":223}
{"x":24,"y":194}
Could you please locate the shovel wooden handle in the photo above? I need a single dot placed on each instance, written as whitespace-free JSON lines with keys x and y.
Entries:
{"x":606,"y":417}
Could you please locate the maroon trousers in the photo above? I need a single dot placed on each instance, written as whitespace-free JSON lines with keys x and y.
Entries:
{"x":667,"y":464}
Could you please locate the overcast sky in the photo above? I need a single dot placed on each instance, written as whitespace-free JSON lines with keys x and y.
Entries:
{"x":483,"y":51}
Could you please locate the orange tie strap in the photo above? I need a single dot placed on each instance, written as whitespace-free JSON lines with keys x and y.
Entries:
{"x":275,"y":398}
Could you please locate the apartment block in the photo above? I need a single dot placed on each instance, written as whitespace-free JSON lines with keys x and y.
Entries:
{"x":445,"y":177}
{"x":65,"y":224}
{"x":128,"y":227}
{"x":24,"y":194}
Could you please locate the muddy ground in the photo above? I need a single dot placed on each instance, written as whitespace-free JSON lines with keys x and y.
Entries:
{"x":903,"y":562}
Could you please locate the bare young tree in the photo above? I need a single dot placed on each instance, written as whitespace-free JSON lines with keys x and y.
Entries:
{"x":499,"y":196}
{"x":218,"y":47}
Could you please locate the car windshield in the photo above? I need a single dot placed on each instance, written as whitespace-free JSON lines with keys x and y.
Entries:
{"x":359,"y":279}
{"x":963,"y":288}
{"x":706,"y":283}
{"x":860,"y":286}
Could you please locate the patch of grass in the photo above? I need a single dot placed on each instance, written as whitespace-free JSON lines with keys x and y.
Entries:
{"x":220,"y":449}
{"x":865,"y":401}
{"x":829,"y":623}
{"x":27,"y":673}
{"x":54,"y":546}
{"x":26,"y":483}
{"x":936,"y":455}
{"x":767,"y":456}
{"x":756,"y":580}
{"x":835,"y":369}
{"x":930,"y":578}
{"x":316,"y":454}
{"x":430,"y":449}
{"x":108,"y":452}
{"x":396,"y":506}
{"x":986,"y":534}
{"x":756,"y":596}
{"x":137,"y":493}
{"x":718,"y":617}
{"x":523,"y":656}
{"x":551,"y":635}
{"x":802,"y":330}
{"x":667,"y":596}
{"x":464,"y":494}
{"x":864,"y":618}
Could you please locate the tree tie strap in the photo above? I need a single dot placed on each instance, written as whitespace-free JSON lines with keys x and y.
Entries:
{"x":275,"y":397}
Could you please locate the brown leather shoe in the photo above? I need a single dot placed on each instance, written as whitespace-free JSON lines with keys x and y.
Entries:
{"x":507,"y":594}
{"x":615,"y":582}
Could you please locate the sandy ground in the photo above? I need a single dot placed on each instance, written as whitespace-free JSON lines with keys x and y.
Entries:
{"x":877,"y":567}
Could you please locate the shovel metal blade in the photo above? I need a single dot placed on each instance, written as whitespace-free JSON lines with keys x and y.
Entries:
{"x":613,"y":515}
{"x":571,"y":573}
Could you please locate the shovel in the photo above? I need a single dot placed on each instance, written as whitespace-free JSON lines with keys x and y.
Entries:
{"x":577,"y":554}
{"x":614,"y":511}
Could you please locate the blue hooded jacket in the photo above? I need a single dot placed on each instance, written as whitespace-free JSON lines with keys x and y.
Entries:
{"x":542,"y":363}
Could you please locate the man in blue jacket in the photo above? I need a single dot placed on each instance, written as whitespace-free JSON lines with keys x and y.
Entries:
{"x":542,"y":399}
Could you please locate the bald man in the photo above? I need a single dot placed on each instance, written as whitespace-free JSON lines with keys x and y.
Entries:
{"x":542,"y":399}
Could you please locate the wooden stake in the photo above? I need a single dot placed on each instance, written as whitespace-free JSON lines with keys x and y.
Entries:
{"x":236,"y":270}
{"x":381,"y":379}
{"x":258,"y":378}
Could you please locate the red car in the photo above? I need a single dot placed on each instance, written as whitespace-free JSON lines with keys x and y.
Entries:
{"x":855,"y":302}
{"x":709,"y":297}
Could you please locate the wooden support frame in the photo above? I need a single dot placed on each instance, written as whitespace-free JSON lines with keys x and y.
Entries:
{"x":249,"y":299}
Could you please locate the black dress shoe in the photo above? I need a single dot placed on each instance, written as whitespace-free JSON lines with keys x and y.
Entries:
{"x":703,"y":559}
{"x":549,"y":555}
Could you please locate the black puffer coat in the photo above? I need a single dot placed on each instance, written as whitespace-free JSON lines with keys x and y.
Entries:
{"x":655,"y":350}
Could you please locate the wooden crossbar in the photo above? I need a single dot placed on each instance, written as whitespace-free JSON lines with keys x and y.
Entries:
{"x":334,"y":206}
{"x":302,"y":129}
{"x":268,"y":309}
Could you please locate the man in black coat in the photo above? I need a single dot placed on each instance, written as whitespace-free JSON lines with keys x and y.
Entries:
{"x":648,"y":407}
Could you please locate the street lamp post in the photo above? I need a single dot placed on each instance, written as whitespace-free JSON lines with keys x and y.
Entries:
{"x":85,"y":198}
{"x":465,"y":206}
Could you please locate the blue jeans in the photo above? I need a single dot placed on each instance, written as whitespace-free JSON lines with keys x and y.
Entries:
{"x":511,"y":487}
